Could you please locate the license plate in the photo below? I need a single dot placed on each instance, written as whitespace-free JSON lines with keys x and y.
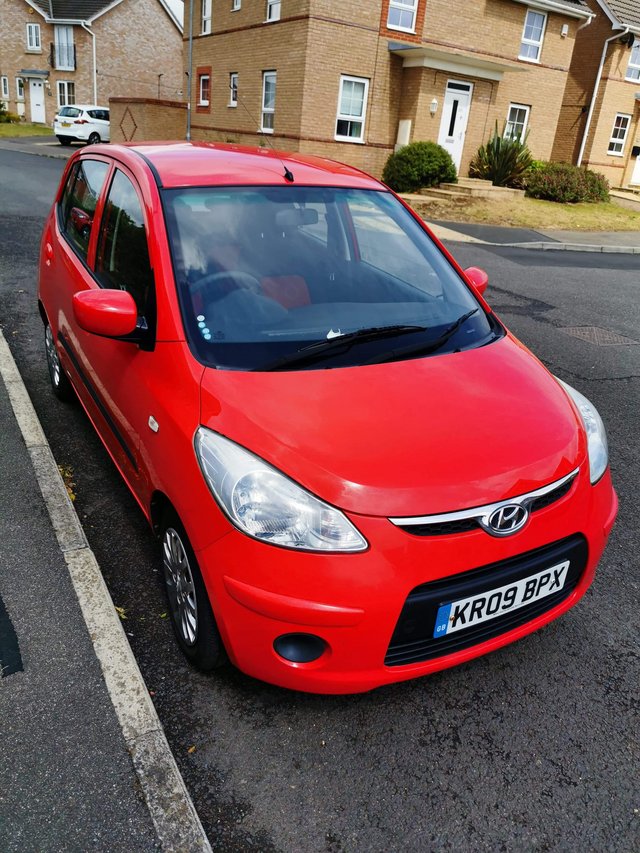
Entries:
{"x":467,"y":612}
{"x":65,"y":123}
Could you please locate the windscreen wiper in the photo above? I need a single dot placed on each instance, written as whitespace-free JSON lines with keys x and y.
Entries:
{"x":338,"y":344}
{"x":425,"y":348}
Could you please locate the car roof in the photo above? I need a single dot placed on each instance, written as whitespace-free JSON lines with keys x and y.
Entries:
{"x":85,"y":107}
{"x":197,"y":164}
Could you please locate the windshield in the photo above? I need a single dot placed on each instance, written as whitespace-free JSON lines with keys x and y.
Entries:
{"x":266,"y":272}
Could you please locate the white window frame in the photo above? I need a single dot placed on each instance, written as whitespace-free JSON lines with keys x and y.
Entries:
{"x":63,"y":49}
{"x":34,"y":40}
{"x":403,"y":6}
{"x":206,"y":17}
{"x":524,"y":40}
{"x":633,"y":68}
{"x":19,"y":89}
{"x":273,"y":10}
{"x":619,"y":140}
{"x":346,"y":78}
{"x":4,"y":88}
{"x":236,"y":5}
{"x":63,"y":93}
{"x":202,"y":102}
{"x":527,"y":111}
{"x":233,"y":89}
{"x":268,"y":111}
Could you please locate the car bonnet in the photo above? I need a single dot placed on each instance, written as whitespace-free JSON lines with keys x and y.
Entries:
{"x":422,"y":436}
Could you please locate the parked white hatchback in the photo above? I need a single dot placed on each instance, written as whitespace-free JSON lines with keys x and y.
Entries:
{"x":82,"y":123}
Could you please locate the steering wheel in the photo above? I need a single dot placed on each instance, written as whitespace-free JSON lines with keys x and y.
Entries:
{"x":241,"y":279}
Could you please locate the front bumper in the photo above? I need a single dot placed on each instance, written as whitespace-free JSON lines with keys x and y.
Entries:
{"x":353,"y":602}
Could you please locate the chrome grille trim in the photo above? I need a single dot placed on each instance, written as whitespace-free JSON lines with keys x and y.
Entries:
{"x":481,"y":514}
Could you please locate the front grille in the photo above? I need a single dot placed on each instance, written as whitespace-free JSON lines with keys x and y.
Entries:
{"x":441,"y":526}
{"x":413,"y":640}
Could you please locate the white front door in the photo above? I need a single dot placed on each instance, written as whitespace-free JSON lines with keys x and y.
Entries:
{"x":635,"y":177}
{"x":455,"y":115}
{"x":36,"y":99}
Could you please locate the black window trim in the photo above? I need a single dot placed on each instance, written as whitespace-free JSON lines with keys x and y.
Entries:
{"x":145,"y":332}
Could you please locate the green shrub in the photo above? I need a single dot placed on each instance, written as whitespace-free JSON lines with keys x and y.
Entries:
{"x":502,"y":161}
{"x":7,"y":117}
{"x":419,"y":164}
{"x":568,"y":184}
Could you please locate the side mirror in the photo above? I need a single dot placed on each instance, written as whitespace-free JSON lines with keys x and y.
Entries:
{"x":110,"y":313}
{"x":478,"y":278}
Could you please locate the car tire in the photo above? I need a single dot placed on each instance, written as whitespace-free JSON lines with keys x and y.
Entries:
{"x":64,"y":140}
{"x":60,"y":385}
{"x":191,"y":615}
{"x":93,"y":139}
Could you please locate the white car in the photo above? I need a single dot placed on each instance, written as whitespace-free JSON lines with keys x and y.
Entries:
{"x":82,"y":123}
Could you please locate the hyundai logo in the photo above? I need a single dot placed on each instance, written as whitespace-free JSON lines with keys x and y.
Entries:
{"x":507,"y":519}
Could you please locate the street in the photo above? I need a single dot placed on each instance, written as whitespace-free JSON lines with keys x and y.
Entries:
{"x":534,"y":747}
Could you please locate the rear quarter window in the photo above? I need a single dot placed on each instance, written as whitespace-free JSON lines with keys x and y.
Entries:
{"x":69,"y":112}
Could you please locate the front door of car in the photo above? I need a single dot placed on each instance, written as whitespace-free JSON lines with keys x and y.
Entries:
{"x":116,"y":369}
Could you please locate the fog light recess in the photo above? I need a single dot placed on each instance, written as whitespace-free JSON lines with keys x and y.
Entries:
{"x":300,"y":648}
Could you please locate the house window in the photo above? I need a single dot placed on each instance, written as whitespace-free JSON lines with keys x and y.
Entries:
{"x":4,"y":87}
{"x":204,"y":90}
{"x":64,"y":49}
{"x":235,"y":5}
{"x":619,"y":134}
{"x":273,"y":10}
{"x":19,"y":89}
{"x":268,"y":101}
{"x":206,"y":17}
{"x":402,"y":15}
{"x":532,"y":36}
{"x":633,"y":69}
{"x":33,"y":37}
{"x":352,"y":109}
{"x":517,"y":121}
{"x":233,"y":89}
{"x":66,"y":93}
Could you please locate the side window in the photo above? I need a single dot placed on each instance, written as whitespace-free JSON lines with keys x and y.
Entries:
{"x":122,"y":261}
{"x":79,"y":200}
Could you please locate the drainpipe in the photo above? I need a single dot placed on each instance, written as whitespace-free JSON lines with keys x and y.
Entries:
{"x":190,"y":71}
{"x":95,"y":72}
{"x":592,"y":105}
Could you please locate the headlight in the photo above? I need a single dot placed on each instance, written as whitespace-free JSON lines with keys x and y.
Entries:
{"x":267,"y":505}
{"x":596,"y":435}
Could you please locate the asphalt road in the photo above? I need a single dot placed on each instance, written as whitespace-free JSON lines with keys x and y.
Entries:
{"x":534,"y":747}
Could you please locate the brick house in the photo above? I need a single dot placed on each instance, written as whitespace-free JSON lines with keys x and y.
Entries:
{"x":351,"y":80}
{"x":57,"y":52}
{"x":601,"y":106}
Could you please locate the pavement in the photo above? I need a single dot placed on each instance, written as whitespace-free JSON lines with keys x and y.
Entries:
{"x":86,"y":765}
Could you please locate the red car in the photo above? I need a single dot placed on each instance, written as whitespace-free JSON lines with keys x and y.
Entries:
{"x":358,"y":476}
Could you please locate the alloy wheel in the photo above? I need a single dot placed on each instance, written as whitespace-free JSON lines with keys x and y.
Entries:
{"x":180,"y":586}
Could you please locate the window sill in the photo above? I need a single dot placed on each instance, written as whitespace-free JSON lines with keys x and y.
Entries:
{"x":232,"y":106}
{"x":615,"y":153}
{"x":529,"y":59}
{"x":33,"y":50}
{"x":401,"y":29}
{"x":271,"y":20}
{"x":268,"y":130}
{"x":349,"y":139}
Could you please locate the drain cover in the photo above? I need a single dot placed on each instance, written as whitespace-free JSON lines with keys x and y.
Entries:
{"x":599,"y":337}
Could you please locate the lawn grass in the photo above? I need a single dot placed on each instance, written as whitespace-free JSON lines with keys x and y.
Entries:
{"x":532,"y":213}
{"x":24,"y":129}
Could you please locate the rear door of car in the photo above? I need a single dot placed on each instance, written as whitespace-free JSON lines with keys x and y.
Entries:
{"x":100,"y":122}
